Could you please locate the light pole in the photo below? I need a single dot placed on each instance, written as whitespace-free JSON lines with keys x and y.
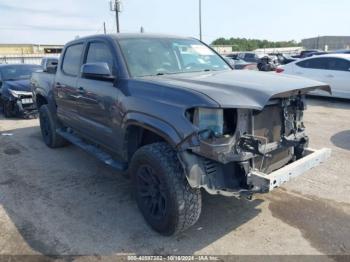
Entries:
{"x":200,"y":20}
{"x":116,"y":7}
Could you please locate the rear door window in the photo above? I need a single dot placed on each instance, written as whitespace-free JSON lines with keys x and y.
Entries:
{"x":71,"y":60}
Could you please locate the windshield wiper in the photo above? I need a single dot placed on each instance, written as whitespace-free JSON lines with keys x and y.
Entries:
{"x":182,"y":72}
{"x":167,"y":73}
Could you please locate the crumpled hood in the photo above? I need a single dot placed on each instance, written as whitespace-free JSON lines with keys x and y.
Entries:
{"x":241,"y":88}
{"x":19,"y":85}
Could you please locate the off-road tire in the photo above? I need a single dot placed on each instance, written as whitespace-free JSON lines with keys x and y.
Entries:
{"x":48,"y":126}
{"x":183,"y":203}
{"x":7,"y":109}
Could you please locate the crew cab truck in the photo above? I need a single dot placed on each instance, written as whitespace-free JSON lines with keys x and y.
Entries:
{"x":173,"y":114}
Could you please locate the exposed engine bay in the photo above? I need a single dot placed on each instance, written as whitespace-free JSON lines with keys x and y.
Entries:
{"x":230,"y":144}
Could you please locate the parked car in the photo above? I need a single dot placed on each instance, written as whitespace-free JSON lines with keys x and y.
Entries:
{"x":240,"y":64}
{"x":16,"y":97}
{"x":233,"y":56}
{"x":283,"y":59}
{"x":333,"y":69}
{"x":308,"y":53}
{"x":317,"y":53}
{"x":49,"y":64}
{"x":249,"y":57}
{"x":230,"y":61}
{"x":345,"y":51}
{"x":175,"y":116}
{"x":268,"y":63}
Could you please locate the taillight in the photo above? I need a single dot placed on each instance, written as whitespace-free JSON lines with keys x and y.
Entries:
{"x":279,"y":70}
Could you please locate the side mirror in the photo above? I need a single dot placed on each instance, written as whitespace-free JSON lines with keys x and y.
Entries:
{"x":51,"y":67}
{"x":97,"y":71}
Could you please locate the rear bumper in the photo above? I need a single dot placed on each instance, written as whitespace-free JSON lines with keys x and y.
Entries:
{"x":263,"y":183}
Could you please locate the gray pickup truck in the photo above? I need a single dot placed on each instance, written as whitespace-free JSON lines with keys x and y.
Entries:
{"x":173,"y":114}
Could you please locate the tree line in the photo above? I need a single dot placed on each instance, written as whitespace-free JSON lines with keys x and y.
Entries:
{"x":243,"y":44}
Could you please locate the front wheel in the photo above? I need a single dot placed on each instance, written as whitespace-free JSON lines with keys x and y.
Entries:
{"x":163,"y":195}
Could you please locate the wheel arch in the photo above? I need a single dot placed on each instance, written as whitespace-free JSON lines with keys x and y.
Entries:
{"x":40,"y":100}
{"x":142,"y":129}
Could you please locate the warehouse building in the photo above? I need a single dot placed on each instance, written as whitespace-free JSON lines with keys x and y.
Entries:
{"x":29,"y":49}
{"x":327,"y":43}
{"x":27,"y":53}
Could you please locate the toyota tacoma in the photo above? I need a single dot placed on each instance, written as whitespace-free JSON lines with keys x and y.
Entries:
{"x":173,"y":114}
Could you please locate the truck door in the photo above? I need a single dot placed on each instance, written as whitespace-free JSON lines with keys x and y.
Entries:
{"x":99,"y":99}
{"x":65,"y":85}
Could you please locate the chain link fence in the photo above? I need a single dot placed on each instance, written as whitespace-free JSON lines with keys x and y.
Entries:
{"x":24,"y":59}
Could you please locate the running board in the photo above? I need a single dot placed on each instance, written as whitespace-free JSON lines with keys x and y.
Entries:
{"x":93,"y":150}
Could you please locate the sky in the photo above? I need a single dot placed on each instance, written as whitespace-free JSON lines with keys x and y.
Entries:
{"x":57,"y":22}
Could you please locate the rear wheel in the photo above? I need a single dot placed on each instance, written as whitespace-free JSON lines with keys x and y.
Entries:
{"x":163,"y":195}
{"x":48,"y":126}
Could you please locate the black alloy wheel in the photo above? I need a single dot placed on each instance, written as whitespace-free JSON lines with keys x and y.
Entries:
{"x":152,"y":192}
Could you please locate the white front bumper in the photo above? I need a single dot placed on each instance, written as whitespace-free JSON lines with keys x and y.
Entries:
{"x":267,"y":182}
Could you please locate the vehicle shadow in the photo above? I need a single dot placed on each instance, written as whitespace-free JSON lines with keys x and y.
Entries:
{"x":342,"y":139}
{"x":18,"y":117}
{"x":64,"y":202}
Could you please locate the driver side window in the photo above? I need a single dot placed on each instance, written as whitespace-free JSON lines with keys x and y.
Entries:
{"x":99,"y":52}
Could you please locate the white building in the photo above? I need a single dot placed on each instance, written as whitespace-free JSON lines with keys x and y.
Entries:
{"x":285,"y":50}
{"x":222,"y":49}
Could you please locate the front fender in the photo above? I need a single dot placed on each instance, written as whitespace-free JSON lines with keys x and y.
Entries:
{"x":156,"y":125}
{"x":47,"y":95}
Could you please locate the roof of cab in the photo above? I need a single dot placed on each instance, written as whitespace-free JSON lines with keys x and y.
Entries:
{"x":128,"y":36}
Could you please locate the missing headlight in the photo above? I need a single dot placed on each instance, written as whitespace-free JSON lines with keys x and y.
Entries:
{"x":213,"y":122}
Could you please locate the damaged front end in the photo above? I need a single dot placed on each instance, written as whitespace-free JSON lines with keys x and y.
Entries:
{"x":238,"y":152}
{"x":20,"y":103}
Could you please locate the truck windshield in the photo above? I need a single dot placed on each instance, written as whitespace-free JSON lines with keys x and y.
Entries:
{"x":18,"y":72}
{"x":159,"y":56}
